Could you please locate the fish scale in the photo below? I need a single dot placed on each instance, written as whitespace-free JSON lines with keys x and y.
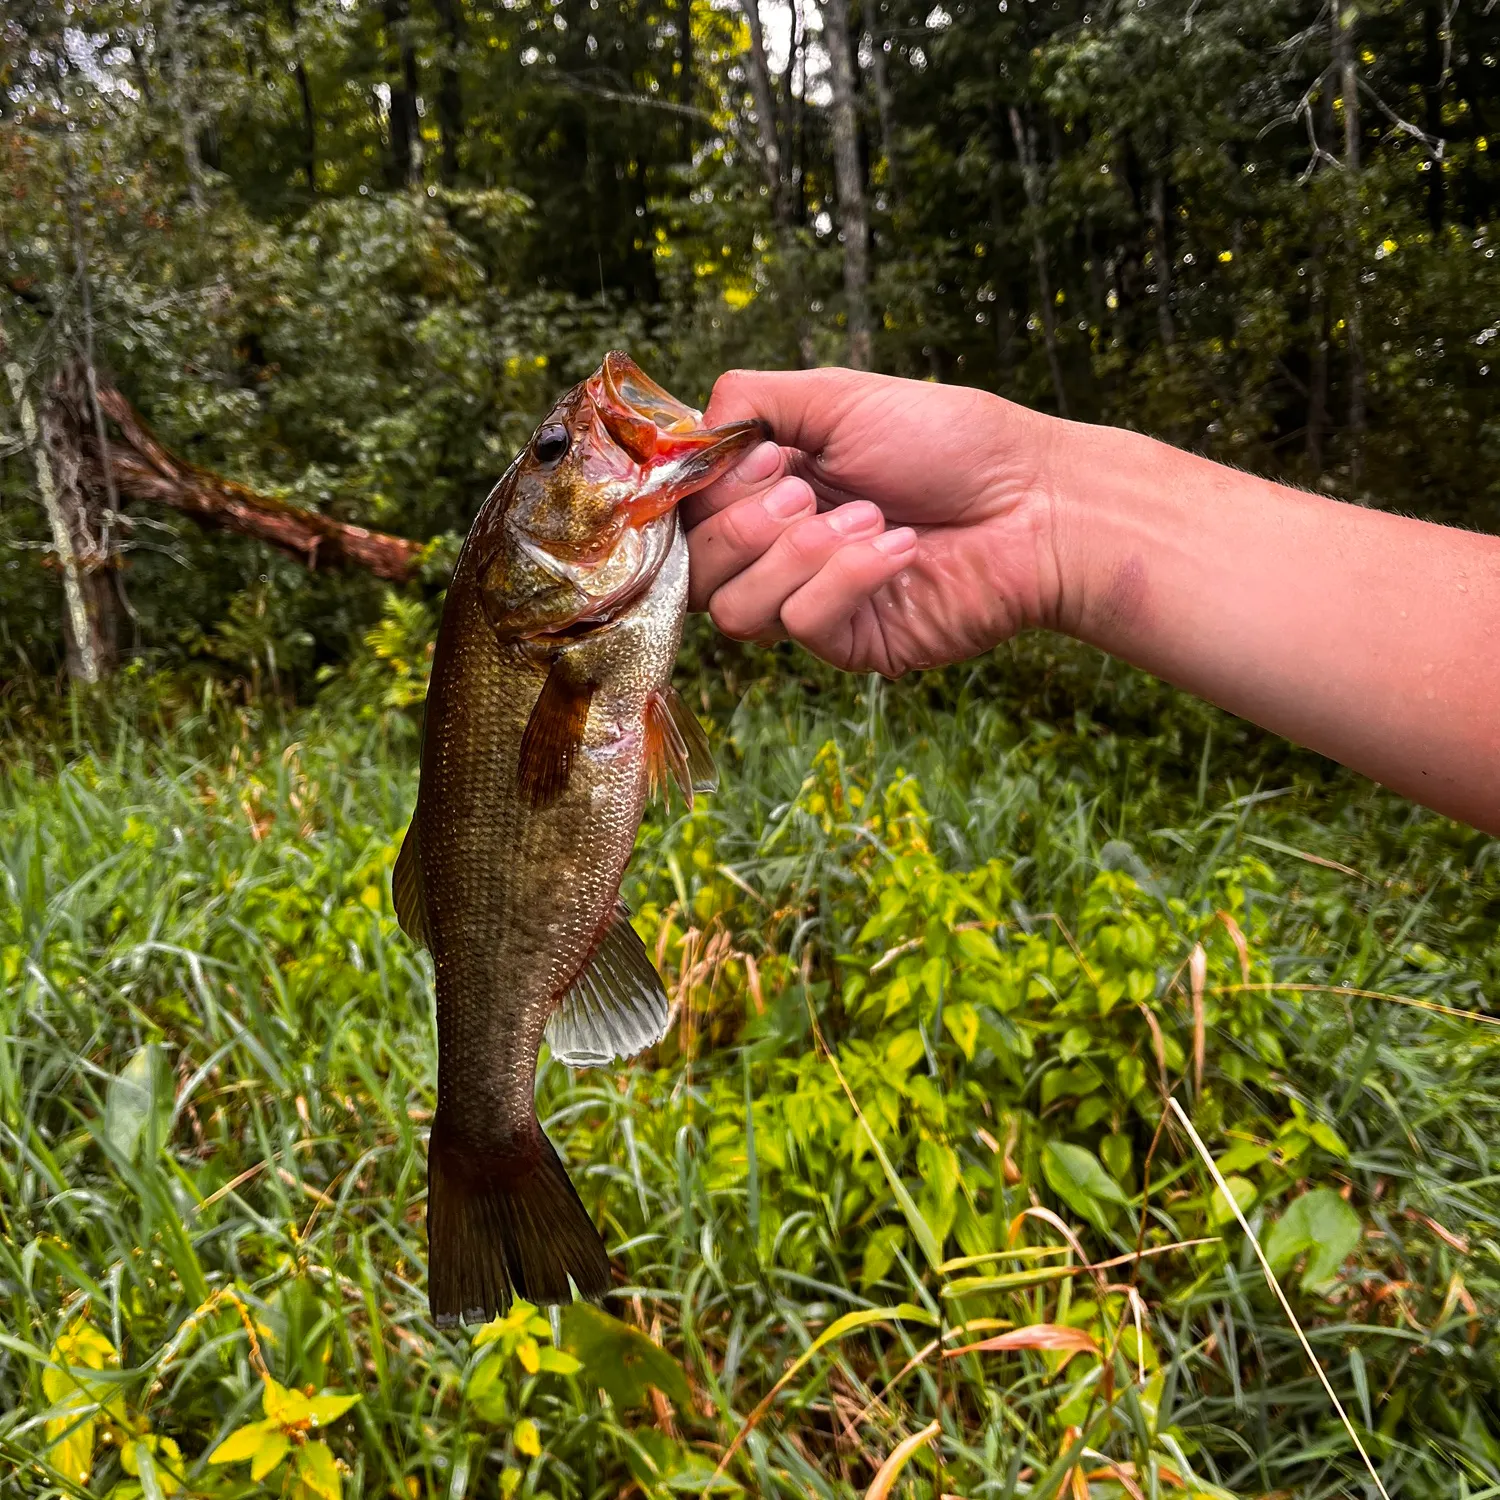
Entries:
{"x":549,"y":715}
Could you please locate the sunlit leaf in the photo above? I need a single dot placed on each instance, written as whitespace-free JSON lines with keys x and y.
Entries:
{"x":620,"y":1358}
{"x":272,"y":1450}
{"x":1076,"y":1175}
{"x":242,"y":1443}
{"x":1052,"y":1337}
{"x":1319,"y":1224}
{"x":323,"y":1409}
{"x":316,"y":1472}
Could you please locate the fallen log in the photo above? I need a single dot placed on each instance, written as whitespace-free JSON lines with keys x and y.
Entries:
{"x":144,"y":468}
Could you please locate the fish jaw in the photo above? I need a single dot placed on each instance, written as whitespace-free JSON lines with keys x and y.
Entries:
{"x":676,"y":453}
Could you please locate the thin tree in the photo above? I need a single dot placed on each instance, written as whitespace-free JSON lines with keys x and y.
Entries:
{"x":1346,"y":81}
{"x":854,"y":218}
{"x":768,"y":135}
{"x":450,"y":105}
{"x":83,"y":656}
{"x":1031,"y":178}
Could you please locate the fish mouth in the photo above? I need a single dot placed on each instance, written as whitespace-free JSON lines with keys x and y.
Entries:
{"x":677,"y":454}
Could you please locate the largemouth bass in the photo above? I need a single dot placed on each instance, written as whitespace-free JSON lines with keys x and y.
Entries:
{"x":549,"y":718}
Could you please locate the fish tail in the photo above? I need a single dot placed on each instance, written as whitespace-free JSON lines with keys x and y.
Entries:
{"x":502,"y":1225}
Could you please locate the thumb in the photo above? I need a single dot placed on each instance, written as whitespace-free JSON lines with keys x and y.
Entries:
{"x":804,"y":408}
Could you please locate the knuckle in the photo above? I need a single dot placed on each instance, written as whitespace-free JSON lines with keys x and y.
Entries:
{"x":731,"y":618}
{"x":809,"y":541}
{"x":742,"y":528}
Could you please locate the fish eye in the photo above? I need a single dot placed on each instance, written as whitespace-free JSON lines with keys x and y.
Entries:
{"x":550,"y":443}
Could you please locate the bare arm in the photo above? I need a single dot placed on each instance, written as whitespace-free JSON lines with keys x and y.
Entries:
{"x":899,"y":524}
{"x":1370,"y":637}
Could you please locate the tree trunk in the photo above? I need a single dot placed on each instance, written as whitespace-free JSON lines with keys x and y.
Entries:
{"x":406,"y":147}
{"x":85,"y":650}
{"x":685,"y":78}
{"x":1436,"y":46}
{"x":450,"y":110}
{"x":1031,"y":179}
{"x":304,"y":90}
{"x":854,"y":222}
{"x":1317,"y":373}
{"x":768,"y":128}
{"x":66,"y":418}
{"x":181,"y":100}
{"x":885,"y":107}
{"x":1348,"y":84}
{"x":1161,"y":256}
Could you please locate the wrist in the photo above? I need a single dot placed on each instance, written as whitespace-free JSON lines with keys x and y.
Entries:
{"x":1104,"y":487}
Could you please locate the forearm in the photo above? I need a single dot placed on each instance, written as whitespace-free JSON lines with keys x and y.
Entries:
{"x":1370,"y":637}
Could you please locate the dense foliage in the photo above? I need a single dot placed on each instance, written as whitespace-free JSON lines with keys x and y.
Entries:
{"x":936,"y":955}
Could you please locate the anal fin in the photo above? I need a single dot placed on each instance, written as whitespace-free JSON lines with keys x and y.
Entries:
{"x":553,"y":735}
{"x":616,"y":1007}
{"x":676,"y":746}
{"x":406,"y":889}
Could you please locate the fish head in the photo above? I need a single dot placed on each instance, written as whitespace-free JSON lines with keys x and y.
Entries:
{"x":587,"y":513}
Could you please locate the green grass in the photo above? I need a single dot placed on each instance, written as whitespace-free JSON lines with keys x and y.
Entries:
{"x":217,"y":1070}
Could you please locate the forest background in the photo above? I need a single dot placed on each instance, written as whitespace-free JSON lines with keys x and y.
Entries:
{"x":338,"y":257}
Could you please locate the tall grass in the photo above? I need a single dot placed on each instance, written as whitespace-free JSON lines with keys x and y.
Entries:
{"x":217,"y":1069}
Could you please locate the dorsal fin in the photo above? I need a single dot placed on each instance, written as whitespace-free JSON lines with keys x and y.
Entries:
{"x":406,"y":889}
{"x":676,"y":746}
{"x":554,"y":735}
{"x":616,"y":1007}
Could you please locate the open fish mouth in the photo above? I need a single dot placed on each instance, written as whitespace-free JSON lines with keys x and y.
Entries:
{"x":666,"y":437}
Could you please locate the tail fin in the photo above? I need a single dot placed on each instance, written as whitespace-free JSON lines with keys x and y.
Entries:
{"x":500,"y":1227}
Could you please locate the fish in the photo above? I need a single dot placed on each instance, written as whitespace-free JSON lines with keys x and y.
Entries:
{"x":550,"y":718}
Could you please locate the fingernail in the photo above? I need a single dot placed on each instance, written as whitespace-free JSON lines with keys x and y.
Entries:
{"x":892,"y":543}
{"x":783,"y":501}
{"x":759,"y":463}
{"x":852,"y":518}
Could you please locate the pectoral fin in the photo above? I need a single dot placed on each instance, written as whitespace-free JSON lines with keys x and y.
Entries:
{"x":554,"y":735}
{"x":406,"y":889}
{"x":616,"y":1007}
{"x":676,"y":746}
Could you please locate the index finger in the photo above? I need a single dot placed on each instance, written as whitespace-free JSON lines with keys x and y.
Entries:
{"x":756,"y":472}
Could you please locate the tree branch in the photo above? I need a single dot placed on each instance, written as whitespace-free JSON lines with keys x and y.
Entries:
{"x":145,"y":469}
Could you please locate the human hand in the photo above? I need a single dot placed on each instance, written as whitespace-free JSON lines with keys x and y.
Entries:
{"x":892,"y":524}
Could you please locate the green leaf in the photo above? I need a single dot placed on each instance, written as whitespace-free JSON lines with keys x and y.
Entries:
{"x":1321,"y":1224}
{"x":962,"y":1022}
{"x":1244,"y":1195}
{"x":656,"y":1459}
{"x":323,"y":1409}
{"x":557,"y":1361}
{"x":1076,"y":1175}
{"x":317,"y":1473}
{"x":487,"y":1390}
{"x":72,"y":1455}
{"x":1115,"y":1149}
{"x":880,"y":1253}
{"x":242,"y":1444}
{"x":620,"y":1358}
{"x":272,"y":1450}
{"x":130,"y":1102}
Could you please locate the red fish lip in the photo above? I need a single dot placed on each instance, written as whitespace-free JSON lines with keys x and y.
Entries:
{"x":666,"y":437}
